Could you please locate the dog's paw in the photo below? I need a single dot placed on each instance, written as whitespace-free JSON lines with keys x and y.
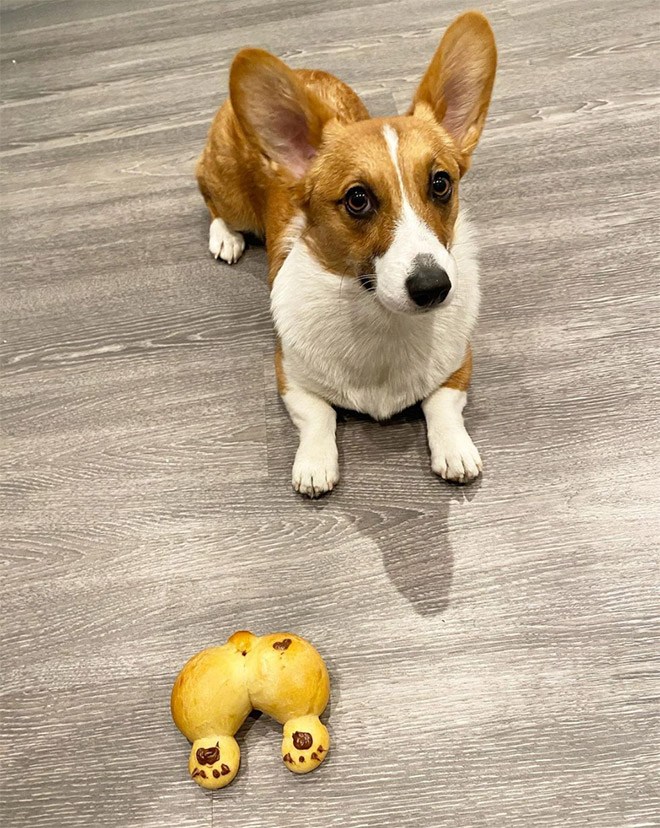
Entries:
{"x":224,"y":243}
{"x":454,"y":456}
{"x":315,"y":472}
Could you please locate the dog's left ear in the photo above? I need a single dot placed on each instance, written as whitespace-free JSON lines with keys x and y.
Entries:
{"x":276,"y":110}
{"x":458,"y":83}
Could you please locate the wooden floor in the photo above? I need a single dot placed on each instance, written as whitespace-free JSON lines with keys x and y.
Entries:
{"x":493,"y":650}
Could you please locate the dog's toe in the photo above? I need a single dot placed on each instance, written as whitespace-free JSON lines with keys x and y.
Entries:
{"x":315,"y":474}
{"x":224,"y":243}
{"x":454,"y":456}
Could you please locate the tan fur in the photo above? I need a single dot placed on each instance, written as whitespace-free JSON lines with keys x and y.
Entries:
{"x":460,"y":380}
{"x":251,"y":179}
{"x":466,"y":56}
{"x":243,"y":181}
{"x":240,"y":183}
{"x":279,"y":369}
{"x":229,"y":175}
{"x":359,"y":155}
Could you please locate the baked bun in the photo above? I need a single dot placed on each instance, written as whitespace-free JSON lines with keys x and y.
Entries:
{"x":210,"y":693}
{"x":287,"y":677}
{"x":281,"y":674}
{"x":305,"y":744}
{"x":214,"y":761}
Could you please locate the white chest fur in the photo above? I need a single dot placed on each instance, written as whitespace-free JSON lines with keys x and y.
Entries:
{"x":339,"y":342}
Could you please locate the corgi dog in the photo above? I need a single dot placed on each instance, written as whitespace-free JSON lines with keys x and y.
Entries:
{"x":374,"y":280}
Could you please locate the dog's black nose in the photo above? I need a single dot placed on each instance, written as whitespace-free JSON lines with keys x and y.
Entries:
{"x":428,"y":284}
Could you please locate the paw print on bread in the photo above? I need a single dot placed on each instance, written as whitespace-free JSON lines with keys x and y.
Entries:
{"x":305,"y":744}
{"x":214,"y":761}
{"x":281,"y":675}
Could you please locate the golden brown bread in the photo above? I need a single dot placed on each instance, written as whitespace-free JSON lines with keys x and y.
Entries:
{"x":280,"y":674}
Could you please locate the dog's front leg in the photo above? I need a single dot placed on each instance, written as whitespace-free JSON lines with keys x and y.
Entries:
{"x":316,"y":467}
{"x":453,"y":454}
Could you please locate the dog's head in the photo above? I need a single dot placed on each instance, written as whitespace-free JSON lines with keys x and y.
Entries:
{"x":379,"y":196}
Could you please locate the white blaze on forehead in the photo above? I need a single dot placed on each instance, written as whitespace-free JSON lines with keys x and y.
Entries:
{"x":392,"y":141}
{"x":412,"y":237}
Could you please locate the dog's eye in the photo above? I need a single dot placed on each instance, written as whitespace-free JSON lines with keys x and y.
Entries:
{"x":357,"y":201}
{"x":441,"y":186}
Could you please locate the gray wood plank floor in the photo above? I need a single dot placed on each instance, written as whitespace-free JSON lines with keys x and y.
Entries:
{"x":493,"y":650}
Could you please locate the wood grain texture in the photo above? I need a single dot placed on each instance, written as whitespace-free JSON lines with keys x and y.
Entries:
{"x":493,"y":649}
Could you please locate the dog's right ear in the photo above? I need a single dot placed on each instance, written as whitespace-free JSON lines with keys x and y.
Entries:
{"x":275,"y":110}
{"x":458,"y":84}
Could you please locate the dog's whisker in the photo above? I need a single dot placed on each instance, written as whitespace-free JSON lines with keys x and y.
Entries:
{"x":347,"y":270}
{"x":368,"y":282}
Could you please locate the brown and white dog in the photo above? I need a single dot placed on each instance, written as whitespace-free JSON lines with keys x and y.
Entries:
{"x":372,"y":265}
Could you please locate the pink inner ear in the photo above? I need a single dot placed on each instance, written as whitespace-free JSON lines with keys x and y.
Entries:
{"x":290,"y":139}
{"x":460,"y":97}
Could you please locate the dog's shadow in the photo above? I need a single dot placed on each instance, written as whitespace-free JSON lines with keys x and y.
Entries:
{"x":412,"y":531}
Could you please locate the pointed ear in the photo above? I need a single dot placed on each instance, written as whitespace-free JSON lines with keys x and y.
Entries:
{"x":459,"y":81}
{"x":275,"y":110}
